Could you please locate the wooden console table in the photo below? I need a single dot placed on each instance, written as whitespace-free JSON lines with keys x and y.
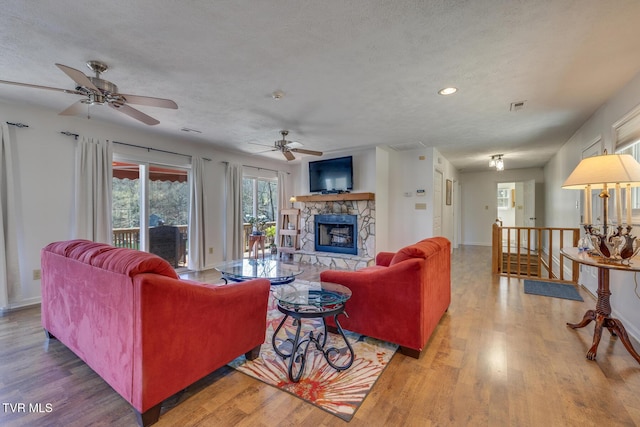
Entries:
{"x":601,"y":315}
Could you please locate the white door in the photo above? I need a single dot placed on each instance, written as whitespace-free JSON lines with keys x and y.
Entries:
{"x":437,"y":203}
{"x":529,"y":209}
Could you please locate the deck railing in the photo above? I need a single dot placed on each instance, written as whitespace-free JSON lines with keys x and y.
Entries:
{"x":533,"y":252}
{"x":130,"y":237}
{"x":247,"y":228}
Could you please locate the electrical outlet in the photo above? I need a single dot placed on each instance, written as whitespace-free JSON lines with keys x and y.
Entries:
{"x":37,"y":274}
{"x":210,"y":251}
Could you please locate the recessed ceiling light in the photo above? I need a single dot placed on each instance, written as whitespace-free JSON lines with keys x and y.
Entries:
{"x":277,"y":95}
{"x":447,"y":91}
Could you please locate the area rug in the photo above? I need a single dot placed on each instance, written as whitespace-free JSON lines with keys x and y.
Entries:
{"x":551,"y":289}
{"x":339,"y":393}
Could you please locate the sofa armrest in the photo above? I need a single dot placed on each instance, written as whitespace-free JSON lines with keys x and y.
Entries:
{"x":384,"y":258}
{"x":383,"y":288}
{"x":185,"y":331}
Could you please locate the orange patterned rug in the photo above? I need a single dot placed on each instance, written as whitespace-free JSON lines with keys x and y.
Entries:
{"x":339,"y":393}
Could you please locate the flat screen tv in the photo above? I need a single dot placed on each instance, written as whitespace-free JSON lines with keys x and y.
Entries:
{"x":331,"y":175}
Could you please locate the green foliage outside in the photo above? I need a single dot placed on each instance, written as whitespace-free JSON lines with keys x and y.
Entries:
{"x":266,"y":199}
{"x":168,"y":202}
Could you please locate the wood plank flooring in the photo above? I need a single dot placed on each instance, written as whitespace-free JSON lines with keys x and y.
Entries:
{"x":499,"y":357}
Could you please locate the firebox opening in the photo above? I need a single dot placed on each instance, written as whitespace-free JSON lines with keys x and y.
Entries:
{"x":336,"y":233}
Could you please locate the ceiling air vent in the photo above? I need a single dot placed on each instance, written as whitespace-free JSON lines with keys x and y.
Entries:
{"x":517,"y":106}
{"x":406,"y":146}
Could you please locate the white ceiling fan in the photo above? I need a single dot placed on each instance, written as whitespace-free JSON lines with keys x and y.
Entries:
{"x":287,"y":148}
{"x":97,"y":91}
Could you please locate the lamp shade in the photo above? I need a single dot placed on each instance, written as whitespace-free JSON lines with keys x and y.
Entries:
{"x":609,"y":169}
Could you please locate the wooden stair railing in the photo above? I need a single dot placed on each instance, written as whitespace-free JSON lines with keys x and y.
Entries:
{"x":515,"y":252}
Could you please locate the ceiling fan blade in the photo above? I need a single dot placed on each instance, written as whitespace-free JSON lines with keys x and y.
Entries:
{"x":150,"y":101}
{"x":136,"y":114}
{"x":74,"y":109}
{"x":78,"y":77}
{"x":303,"y":151}
{"x":288,"y":155}
{"x":57,"y":89}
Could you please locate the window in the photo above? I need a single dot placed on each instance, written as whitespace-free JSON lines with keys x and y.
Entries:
{"x":260,"y":202}
{"x":158,"y":210}
{"x":626,"y":133}
{"x":503,"y":198}
{"x":260,"y":198}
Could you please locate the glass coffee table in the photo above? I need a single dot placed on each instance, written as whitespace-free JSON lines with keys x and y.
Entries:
{"x":276,"y":271}
{"x":312,"y":301}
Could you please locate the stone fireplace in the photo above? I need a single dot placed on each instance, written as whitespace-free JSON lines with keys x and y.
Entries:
{"x":360,"y":211}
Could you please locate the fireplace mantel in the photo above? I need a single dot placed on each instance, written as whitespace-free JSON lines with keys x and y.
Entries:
{"x":335,"y":197}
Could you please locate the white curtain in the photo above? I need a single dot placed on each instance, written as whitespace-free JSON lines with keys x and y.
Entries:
{"x":234,"y":221}
{"x":283,"y":202}
{"x":9,"y":260}
{"x":93,"y":190}
{"x":197,"y":205}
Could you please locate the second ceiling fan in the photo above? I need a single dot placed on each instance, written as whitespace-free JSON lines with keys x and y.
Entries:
{"x":287,"y":151}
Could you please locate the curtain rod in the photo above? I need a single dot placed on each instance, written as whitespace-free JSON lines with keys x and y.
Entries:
{"x":18,"y":125}
{"x":75,"y":135}
{"x":256,"y":167}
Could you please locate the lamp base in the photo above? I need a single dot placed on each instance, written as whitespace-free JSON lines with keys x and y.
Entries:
{"x":617,"y":246}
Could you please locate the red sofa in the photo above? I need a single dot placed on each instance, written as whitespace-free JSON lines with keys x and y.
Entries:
{"x":147,"y":333}
{"x":402,"y":298}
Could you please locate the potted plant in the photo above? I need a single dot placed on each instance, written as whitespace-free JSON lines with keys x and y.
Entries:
{"x":257,"y":224}
{"x":270,"y":234}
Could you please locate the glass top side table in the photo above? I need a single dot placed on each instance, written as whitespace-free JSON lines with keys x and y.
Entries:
{"x":309,"y":302}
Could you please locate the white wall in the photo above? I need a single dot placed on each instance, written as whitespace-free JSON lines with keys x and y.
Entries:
{"x":390,"y":174}
{"x":364,"y":170}
{"x":382,"y":199}
{"x":479,"y":201}
{"x":563,"y":209}
{"x":45,"y":182}
{"x":410,"y":171}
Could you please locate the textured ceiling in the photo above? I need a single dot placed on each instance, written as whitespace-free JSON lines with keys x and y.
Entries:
{"x":354,"y":73}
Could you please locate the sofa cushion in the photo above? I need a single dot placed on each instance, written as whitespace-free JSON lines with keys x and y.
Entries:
{"x":408,"y":252}
{"x":120,"y":260}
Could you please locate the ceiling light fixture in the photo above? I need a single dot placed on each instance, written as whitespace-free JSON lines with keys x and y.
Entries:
{"x":497,"y":162}
{"x":277,"y":95}
{"x":447,"y":91}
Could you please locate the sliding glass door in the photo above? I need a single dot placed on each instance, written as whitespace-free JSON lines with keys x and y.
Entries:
{"x":151,"y":209}
{"x":259,"y":207}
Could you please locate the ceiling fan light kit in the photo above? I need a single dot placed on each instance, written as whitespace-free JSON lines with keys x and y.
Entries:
{"x":285,"y":147}
{"x":98,"y":91}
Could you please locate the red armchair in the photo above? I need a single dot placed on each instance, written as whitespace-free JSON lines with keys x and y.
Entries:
{"x":402,"y":298}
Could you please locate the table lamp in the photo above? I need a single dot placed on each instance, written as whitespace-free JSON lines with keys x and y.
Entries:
{"x":607,"y":172}
{"x":292,"y":199}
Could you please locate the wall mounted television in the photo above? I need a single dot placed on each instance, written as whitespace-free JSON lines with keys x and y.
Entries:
{"x":331,"y":175}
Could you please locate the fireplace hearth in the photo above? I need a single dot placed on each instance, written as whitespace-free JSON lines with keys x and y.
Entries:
{"x":336,"y":233}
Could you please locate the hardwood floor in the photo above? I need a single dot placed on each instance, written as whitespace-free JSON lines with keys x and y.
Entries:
{"x":498,"y":357}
